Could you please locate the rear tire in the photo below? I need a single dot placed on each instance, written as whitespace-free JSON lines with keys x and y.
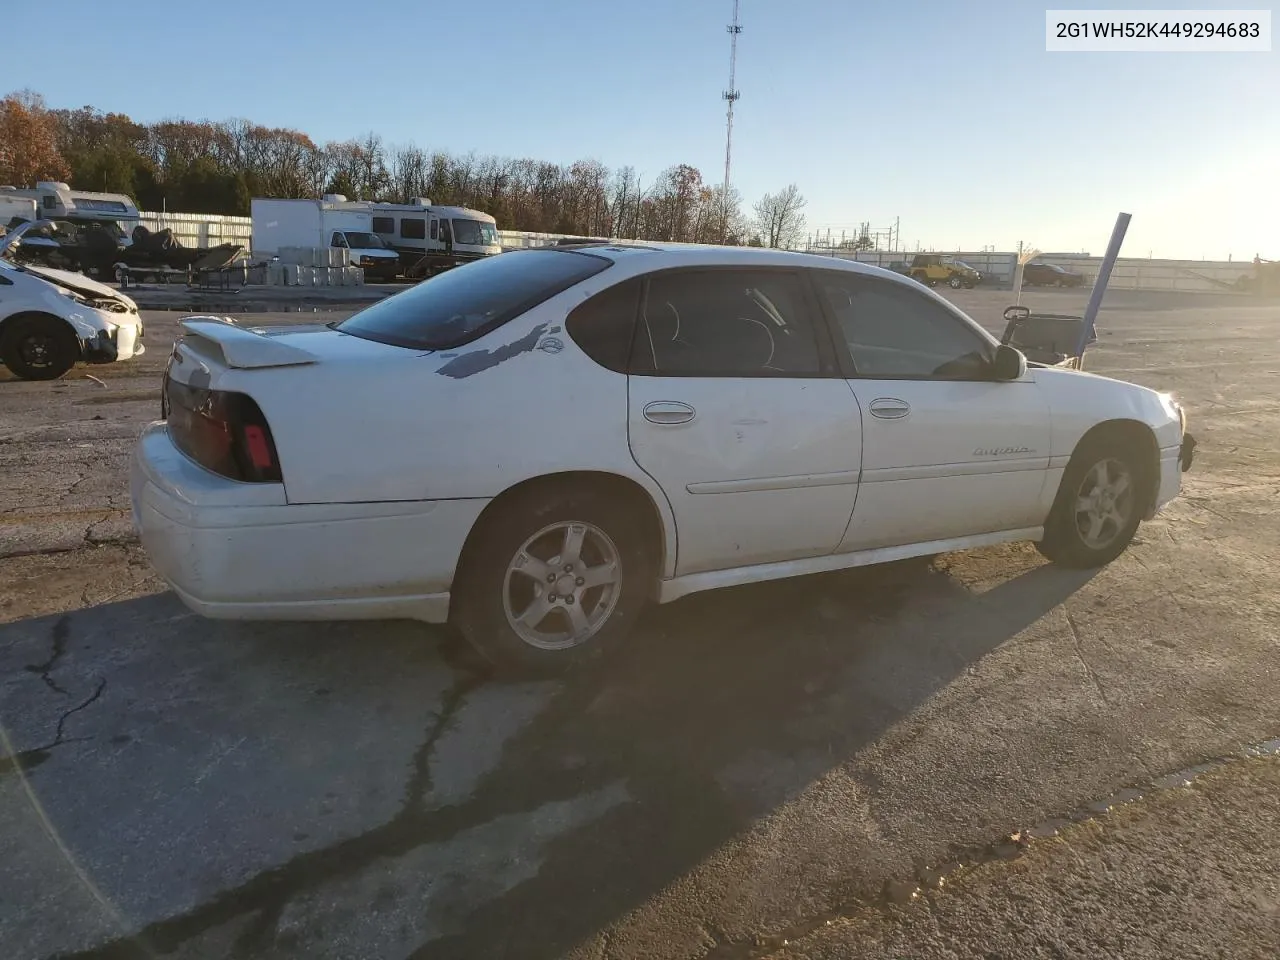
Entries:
{"x":38,"y":347}
{"x":1099,"y":506}
{"x":552,"y":580}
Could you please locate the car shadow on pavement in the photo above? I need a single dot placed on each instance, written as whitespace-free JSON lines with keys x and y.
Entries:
{"x":726,"y":707}
{"x":723,"y":709}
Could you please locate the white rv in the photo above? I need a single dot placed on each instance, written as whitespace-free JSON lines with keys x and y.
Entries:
{"x":331,"y":221}
{"x":58,"y":201}
{"x":444,"y":236}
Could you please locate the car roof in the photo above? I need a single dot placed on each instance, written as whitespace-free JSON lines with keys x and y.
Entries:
{"x":658,"y":255}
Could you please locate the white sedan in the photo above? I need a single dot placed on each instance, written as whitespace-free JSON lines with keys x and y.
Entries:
{"x":533,"y":446}
{"x":51,"y":319}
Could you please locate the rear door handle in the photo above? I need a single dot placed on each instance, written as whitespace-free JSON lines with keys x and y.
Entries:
{"x":888,"y":408}
{"x":668,"y":411}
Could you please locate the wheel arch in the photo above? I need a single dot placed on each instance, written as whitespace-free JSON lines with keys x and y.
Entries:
{"x":650,"y":503}
{"x":26,"y":314}
{"x":1143,"y":438}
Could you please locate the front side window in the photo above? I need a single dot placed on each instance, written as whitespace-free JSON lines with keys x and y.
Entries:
{"x":435,"y":229}
{"x":466,"y":302}
{"x":338,"y":240}
{"x":726,"y":323}
{"x":413,"y":228}
{"x":894,"y":331}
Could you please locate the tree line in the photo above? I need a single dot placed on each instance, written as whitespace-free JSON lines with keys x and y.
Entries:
{"x":199,"y":166}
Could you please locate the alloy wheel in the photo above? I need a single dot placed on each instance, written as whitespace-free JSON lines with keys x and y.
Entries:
{"x":562,"y":585}
{"x":1104,"y":503}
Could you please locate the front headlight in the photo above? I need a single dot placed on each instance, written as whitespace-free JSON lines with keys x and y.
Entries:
{"x":1174,"y":409}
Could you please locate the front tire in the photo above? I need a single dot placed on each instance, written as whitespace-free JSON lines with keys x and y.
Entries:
{"x":38,"y":347}
{"x":954,"y":282}
{"x":552,"y":580}
{"x":1098,"y":508}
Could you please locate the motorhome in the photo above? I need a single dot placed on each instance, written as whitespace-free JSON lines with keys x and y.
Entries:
{"x":59,"y":202}
{"x":436,"y":236}
{"x":331,"y":221}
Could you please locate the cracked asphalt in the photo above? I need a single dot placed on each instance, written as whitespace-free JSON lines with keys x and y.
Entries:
{"x":756,"y":758}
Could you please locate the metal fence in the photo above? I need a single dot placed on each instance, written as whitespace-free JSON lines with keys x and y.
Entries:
{"x":200,"y":229}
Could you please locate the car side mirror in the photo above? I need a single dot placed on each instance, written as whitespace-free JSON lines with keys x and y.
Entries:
{"x":1008,"y":363}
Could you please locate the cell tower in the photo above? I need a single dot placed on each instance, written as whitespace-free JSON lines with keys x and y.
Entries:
{"x":731,"y":96}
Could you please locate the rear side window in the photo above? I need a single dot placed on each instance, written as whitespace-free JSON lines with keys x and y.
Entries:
{"x":604,"y":325}
{"x":384,"y":225}
{"x":466,"y":302}
{"x":726,"y":323}
{"x":413,"y":228}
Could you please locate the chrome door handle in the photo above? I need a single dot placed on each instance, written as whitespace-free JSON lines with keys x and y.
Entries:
{"x":666,"y":411}
{"x":887,"y":408}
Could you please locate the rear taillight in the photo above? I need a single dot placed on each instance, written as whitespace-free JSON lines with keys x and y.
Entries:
{"x":222,"y":431}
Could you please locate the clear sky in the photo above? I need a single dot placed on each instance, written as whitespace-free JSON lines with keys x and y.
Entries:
{"x":949,"y":115}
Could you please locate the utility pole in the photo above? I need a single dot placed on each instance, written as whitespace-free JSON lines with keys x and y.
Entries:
{"x":730,"y":95}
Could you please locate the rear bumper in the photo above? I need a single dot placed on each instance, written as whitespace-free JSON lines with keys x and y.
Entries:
{"x":240,"y":551}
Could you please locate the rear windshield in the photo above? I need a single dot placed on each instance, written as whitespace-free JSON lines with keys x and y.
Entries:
{"x":466,"y":302}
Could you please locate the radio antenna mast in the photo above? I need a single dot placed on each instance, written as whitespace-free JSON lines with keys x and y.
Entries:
{"x":731,"y":96}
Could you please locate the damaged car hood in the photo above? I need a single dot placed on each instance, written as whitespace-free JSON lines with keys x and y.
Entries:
{"x":79,"y":283}
{"x":75,"y":282}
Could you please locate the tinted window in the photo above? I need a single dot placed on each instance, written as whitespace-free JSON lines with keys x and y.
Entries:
{"x":434,"y":226}
{"x":603,"y":326}
{"x":726,"y":323}
{"x":465,"y":302}
{"x":384,"y":225}
{"x":893,"y":330}
{"x":413,"y":228}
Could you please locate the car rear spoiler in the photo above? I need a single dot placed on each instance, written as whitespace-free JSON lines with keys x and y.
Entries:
{"x":239,"y":347}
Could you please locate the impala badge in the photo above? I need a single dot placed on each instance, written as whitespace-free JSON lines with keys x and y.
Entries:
{"x":1000,"y":451}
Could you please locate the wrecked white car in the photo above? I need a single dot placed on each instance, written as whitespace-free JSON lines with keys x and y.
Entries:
{"x":534,"y":445}
{"x":50,"y":320}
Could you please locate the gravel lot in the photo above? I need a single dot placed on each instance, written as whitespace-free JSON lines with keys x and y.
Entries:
{"x":758,"y":757}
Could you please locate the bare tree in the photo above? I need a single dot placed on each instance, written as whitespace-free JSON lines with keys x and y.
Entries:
{"x":218,"y":166}
{"x":778,"y":217}
{"x":408,"y":172}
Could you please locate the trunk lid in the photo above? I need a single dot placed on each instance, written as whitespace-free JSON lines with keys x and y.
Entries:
{"x":211,"y":345}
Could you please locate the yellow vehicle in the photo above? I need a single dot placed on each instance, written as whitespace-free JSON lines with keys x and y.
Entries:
{"x":934,"y":268}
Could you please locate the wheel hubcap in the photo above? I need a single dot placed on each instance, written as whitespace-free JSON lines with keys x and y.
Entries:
{"x":37,"y":350}
{"x":1104,"y":503}
{"x":562,"y":585}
